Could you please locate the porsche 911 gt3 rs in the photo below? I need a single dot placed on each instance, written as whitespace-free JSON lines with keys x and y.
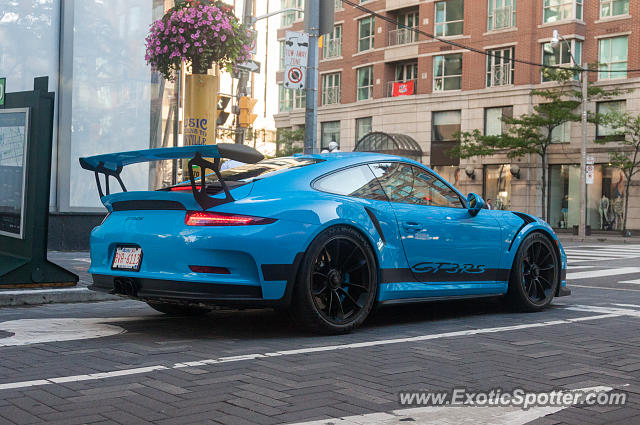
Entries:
{"x":327,"y":236}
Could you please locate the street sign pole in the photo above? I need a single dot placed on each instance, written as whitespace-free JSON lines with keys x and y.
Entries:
{"x":312,"y":19}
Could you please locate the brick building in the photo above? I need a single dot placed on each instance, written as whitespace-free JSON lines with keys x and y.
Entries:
{"x":456,"y":89}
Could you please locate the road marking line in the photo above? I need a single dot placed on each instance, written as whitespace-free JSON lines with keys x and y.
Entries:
{"x":310,"y":350}
{"x":580,"y":267}
{"x":601,"y":273}
{"x":627,"y":305}
{"x":604,"y":287}
{"x":635,"y":281}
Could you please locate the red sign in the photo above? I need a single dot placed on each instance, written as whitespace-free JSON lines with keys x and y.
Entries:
{"x":402,"y":88}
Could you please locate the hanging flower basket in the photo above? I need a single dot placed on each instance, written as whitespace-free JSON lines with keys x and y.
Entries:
{"x":201,"y":33}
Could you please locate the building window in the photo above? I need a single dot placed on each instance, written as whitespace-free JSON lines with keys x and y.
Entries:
{"x":561,"y":55}
{"x":330,"y":132}
{"x":290,"y":99}
{"x":331,"y":88}
{"x":281,"y":61}
{"x":363,"y":127}
{"x":605,"y":197}
{"x":365,"y":83}
{"x":402,"y":34}
{"x":338,"y":5}
{"x":562,"y":10}
{"x":500,"y":67}
{"x":288,"y":18}
{"x":447,"y":72}
{"x":612,"y":58}
{"x":285,"y":103}
{"x":501,"y":14}
{"x":366,"y":30}
{"x":493,"y":124}
{"x":444,"y":126}
{"x":299,"y":99}
{"x":562,"y":133}
{"x":497,"y":186}
{"x":610,"y":8}
{"x":616,"y":106}
{"x":332,"y":43}
{"x":449,"y":17}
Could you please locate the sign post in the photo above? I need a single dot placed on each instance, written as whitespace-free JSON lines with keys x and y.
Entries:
{"x":26,"y":134}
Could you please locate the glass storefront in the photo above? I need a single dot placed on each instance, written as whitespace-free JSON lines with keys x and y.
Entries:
{"x":497,"y":186}
{"x":605,"y":197}
{"x":111,"y":100}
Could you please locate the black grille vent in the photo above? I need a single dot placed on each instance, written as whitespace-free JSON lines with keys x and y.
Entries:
{"x":527,"y":219}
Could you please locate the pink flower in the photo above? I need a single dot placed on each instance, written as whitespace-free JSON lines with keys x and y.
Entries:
{"x":223,"y":38}
{"x":200,"y":50}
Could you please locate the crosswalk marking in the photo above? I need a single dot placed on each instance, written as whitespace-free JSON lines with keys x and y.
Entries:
{"x":635,"y":281}
{"x":584,"y":254}
{"x":601,"y":273}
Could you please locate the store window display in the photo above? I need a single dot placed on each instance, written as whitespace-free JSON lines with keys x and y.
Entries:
{"x":605,"y":197}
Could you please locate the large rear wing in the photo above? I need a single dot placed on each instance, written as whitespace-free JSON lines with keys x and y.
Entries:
{"x":111,"y":165}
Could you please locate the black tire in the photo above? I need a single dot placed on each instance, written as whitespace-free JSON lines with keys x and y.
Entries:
{"x":337,"y":284}
{"x":535,"y":274}
{"x":178,"y":309}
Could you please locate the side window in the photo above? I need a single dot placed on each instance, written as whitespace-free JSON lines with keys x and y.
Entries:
{"x":430,"y":190}
{"x":356,"y":181}
{"x":396,"y":180}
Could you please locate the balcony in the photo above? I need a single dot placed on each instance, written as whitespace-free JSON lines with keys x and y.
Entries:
{"x":332,"y":48}
{"x":402,"y":36}
{"x":500,"y":75}
{"x":331,"y":95}
{"x":389,"y":91}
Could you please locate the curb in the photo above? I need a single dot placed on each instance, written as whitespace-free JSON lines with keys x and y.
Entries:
{"x":12,"y":298}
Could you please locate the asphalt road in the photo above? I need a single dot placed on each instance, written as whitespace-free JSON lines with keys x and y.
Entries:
{"x":122,"y":362}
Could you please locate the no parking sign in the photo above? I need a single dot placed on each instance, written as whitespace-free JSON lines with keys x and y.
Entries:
{"x":590,"y":173}
{"x":296,"y":49}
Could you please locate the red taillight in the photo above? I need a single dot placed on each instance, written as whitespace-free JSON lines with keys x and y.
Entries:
{"x":204,"y":218}
{"x":183,"y":188}
{"x":209,"y":269}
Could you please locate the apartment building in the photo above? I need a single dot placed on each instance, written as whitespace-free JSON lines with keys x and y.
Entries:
{"x":378,"y":77}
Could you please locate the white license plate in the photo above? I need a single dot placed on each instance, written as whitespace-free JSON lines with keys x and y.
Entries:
{"x":127,"y":258}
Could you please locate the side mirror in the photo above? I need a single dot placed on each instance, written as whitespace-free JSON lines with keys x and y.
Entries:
{"x":474,"y":204}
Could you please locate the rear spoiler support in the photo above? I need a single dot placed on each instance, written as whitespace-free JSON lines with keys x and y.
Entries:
{"x":100,"y":169}
{"x":200,"y":195}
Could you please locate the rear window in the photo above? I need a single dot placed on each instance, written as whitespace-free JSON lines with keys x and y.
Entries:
{"x":247,"y":173}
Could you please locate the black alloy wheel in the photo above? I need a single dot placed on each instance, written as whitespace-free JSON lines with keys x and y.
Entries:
{"x":535,"y":275}
{"x":338,"y":282}
{"x":538,"y":272}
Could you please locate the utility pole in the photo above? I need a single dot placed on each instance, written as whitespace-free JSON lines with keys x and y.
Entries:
{"x":247,"y":19}
{"x":582,"y":224}
{"x":312,"y":27}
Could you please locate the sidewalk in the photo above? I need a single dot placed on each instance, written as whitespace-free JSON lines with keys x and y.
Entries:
{"x":76,"y":262}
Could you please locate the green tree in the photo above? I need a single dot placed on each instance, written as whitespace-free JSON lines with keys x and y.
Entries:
{"x":627,"y":135}
{"x":289,"y":141}
{"x":533,"y":133}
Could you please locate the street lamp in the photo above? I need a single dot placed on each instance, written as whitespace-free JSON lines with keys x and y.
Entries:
{"x":555,"y":41}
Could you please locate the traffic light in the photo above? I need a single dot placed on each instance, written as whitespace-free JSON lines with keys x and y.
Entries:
{"x":221,"y":115}
{"x":246,"y":105}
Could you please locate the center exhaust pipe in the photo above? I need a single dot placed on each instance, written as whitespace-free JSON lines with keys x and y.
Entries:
{"x":125,"y":286}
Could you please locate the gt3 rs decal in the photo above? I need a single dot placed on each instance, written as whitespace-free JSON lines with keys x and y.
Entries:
{"x":443,"y":276}
{"x":448,"y":268}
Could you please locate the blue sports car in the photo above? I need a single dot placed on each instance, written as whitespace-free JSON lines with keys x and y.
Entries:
{"x":325,"y":236}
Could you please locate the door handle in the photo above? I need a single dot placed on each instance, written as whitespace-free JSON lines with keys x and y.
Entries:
{"x":411,"y":226}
